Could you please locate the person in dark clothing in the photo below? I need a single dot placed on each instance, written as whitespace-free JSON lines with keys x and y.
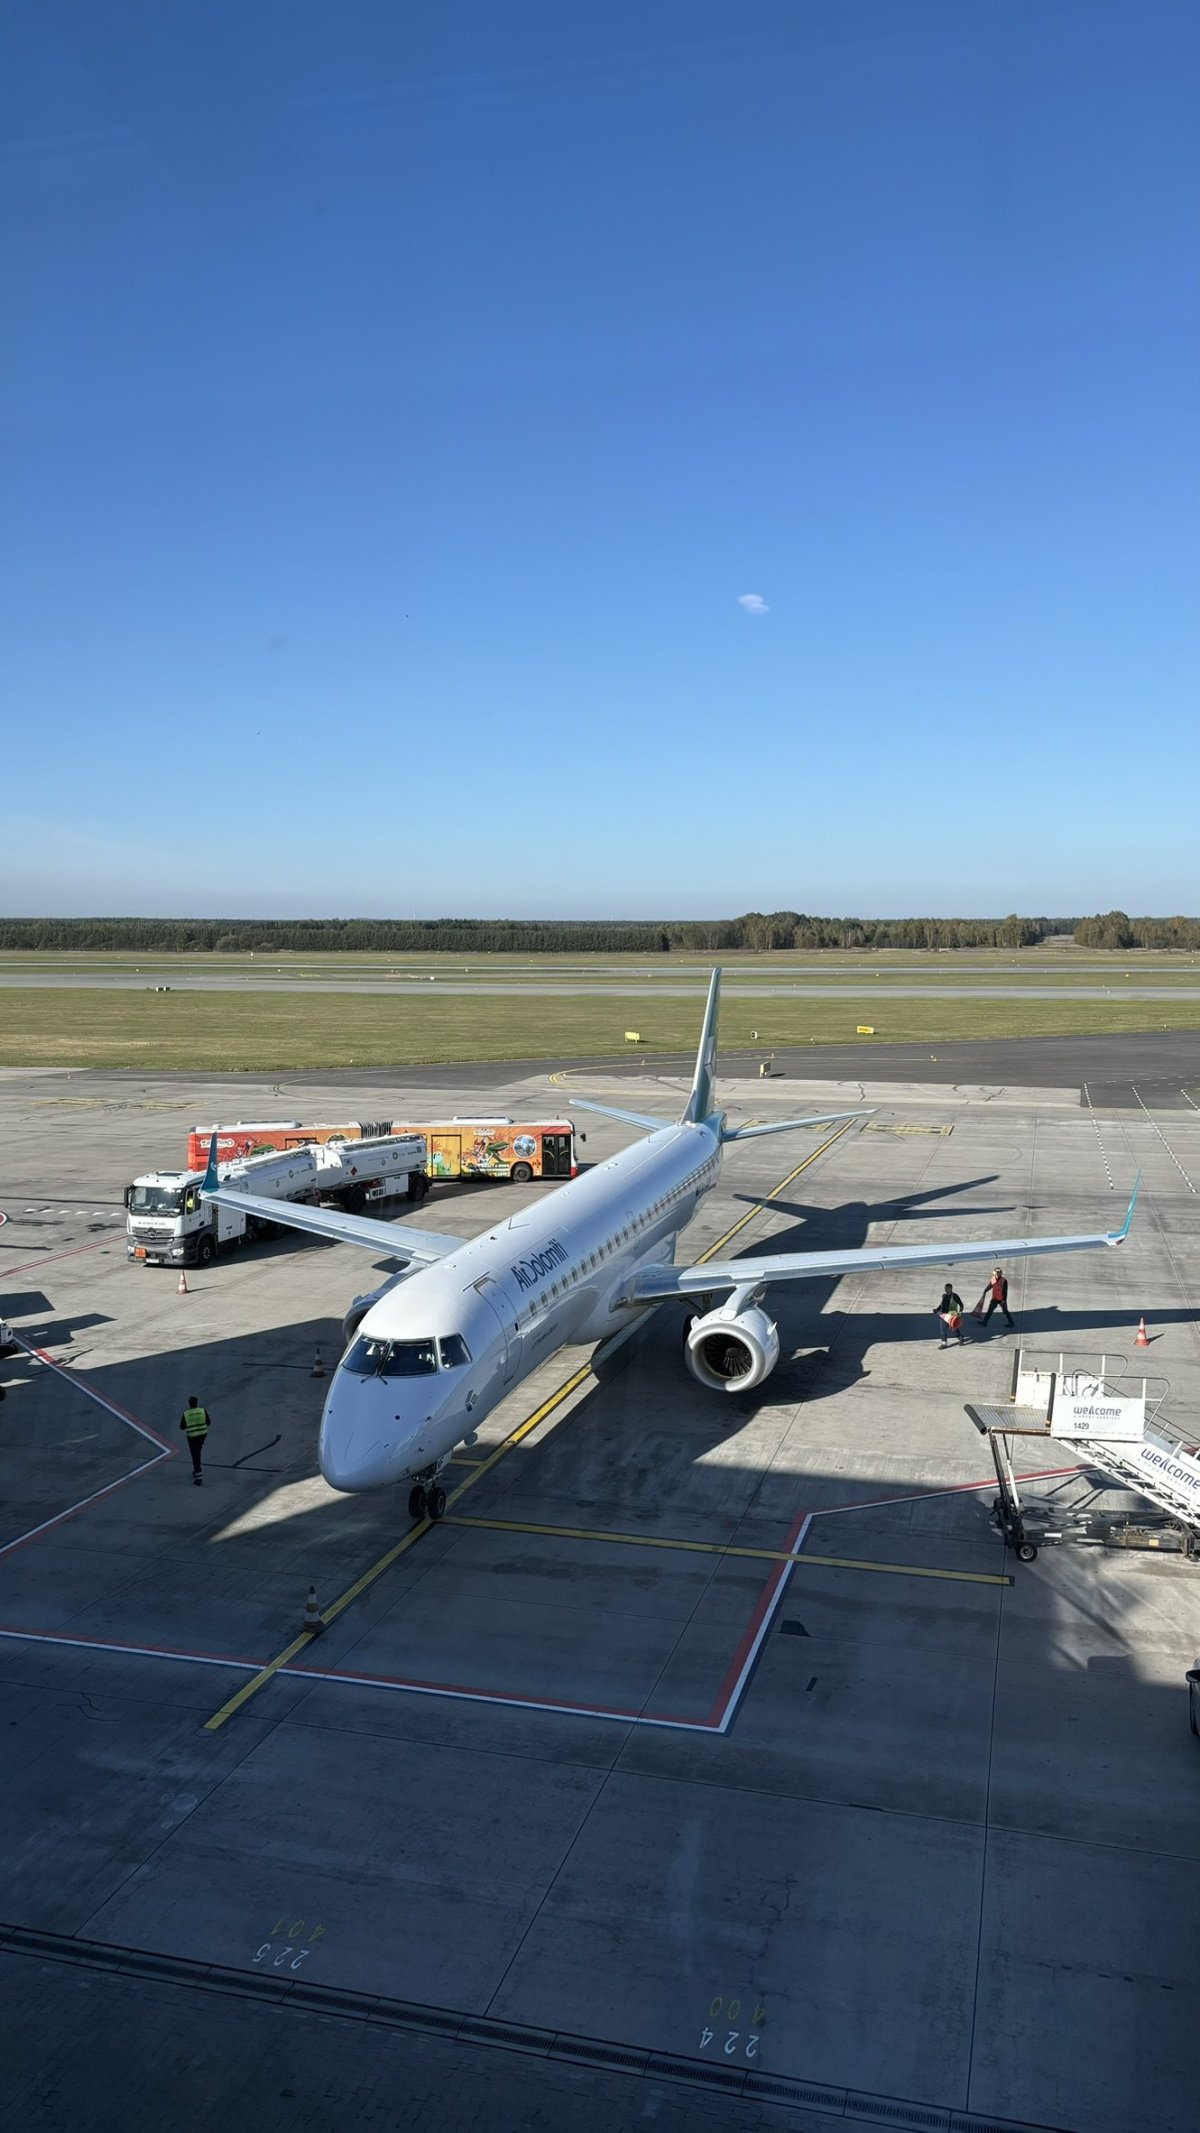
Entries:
{"x":996,"y":1293}
{"x":949,"y":1315}
{"x":194,"y":1422}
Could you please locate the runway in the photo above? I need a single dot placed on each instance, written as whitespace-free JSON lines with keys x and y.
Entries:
{"x":1170,"y":988}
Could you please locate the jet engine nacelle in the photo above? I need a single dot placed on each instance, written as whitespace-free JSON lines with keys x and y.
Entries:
{"x":362,"y":1304}
{"x":732,"y":1351}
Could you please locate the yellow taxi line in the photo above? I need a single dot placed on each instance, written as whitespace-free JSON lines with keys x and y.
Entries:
{"x":761,"y":1555}
{"x":540,"y":1414}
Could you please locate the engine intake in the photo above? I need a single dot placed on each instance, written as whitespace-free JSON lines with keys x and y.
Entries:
{"x":732,"y":1351}
{"x":362,"y":1304}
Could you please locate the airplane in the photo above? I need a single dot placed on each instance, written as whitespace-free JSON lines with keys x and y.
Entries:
{"x":439,"y":1344}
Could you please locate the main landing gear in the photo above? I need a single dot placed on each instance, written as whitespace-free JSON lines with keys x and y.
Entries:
{"x":427,"y":1497}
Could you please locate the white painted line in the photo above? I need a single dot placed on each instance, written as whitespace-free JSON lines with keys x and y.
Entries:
{"x":495,"y":1698}
{"x":369,"y":1681}
{"x":81,"y":1385}
{"x":136,"y":1651}
{"x":60,"y":1517}
{"x":795,"y":1543}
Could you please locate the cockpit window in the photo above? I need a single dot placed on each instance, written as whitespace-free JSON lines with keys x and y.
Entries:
{"x":391,"y":1359}
{"x":453,"y":1351}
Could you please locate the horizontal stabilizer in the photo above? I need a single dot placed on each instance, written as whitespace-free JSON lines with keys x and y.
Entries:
{"x":790,"y":1125}
{"x":631,"y":1118}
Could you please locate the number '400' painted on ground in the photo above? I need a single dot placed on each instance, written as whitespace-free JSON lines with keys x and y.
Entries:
{"x":288,"y":1953}
{"x":734,"y":2042}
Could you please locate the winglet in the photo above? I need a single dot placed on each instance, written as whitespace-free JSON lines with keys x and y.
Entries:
{"x":1118,"y":1236}
{"x":210,"y":1180}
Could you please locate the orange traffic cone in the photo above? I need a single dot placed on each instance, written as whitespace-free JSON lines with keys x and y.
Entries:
{"x":313,"y":1624}
{"x":318,"y":1368}
{"x":1143,"y":1338}
{"x":182,"y":1289}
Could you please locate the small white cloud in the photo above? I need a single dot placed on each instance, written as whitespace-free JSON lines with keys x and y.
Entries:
{"x":753,"y":603}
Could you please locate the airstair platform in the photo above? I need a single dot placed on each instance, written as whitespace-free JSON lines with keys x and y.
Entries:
{"x":1115,"y":1424}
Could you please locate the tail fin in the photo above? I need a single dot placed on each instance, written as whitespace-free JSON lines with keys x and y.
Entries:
{"x":700,"y":1104}
{"x":210,"y":1180}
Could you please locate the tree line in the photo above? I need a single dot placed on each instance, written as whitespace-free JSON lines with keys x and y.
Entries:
{"x":755,"y":930}
{"x":1115,"y":929}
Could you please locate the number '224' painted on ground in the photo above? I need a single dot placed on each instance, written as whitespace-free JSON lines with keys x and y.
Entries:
{"x":735,"y":2041}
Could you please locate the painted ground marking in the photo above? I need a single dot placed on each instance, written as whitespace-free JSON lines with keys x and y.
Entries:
{"x":694,"y":1547}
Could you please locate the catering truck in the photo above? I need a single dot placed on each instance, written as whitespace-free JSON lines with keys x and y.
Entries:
{"x":454,"y":1147}
{"x":168,"y":1224}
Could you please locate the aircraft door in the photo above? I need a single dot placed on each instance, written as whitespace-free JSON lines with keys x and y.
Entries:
{"x":493,"y":1295}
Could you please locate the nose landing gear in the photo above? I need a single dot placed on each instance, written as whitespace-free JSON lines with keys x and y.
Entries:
{"x":427,"y":1497}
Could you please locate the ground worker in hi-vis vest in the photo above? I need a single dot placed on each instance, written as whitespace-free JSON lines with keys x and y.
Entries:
{"x":194,"y":1422}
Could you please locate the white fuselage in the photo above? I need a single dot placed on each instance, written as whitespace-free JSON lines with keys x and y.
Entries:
{"x":549,"y":1275}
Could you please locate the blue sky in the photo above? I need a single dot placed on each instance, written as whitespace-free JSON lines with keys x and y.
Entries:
{"x":397,"y":403}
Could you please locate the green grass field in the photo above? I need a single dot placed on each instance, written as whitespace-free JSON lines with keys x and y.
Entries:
{"x":277,"y":1032}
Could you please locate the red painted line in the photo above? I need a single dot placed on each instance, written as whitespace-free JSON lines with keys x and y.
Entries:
{"x":378,"y":1681}
{"x":136,"y":1651}
{"x":752,"y":1637}
{"x":494,"y":1696}
{"x":960,"y":1488}
{"x":60,"y":1517}
{"x":28,"y":1264}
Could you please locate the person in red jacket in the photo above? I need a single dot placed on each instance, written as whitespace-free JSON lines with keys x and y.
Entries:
{"x":996,"y":1297}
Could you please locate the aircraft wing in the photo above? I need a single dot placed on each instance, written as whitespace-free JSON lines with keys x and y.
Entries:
{"x":658,"y":1284}
{"x":415,"y":1246}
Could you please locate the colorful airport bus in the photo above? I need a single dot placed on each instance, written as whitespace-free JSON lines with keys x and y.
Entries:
{"x":454,"y":1147}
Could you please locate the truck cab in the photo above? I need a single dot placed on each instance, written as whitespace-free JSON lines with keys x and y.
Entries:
{"x":168,"y":1224}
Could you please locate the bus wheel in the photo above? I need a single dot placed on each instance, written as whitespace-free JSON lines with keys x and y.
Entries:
{"x":521,"y":1173}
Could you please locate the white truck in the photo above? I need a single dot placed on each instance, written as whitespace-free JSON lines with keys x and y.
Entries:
{"x":168,"y":1224}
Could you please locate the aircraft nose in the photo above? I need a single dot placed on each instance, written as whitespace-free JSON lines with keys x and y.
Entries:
{"x":366,"y":1437}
